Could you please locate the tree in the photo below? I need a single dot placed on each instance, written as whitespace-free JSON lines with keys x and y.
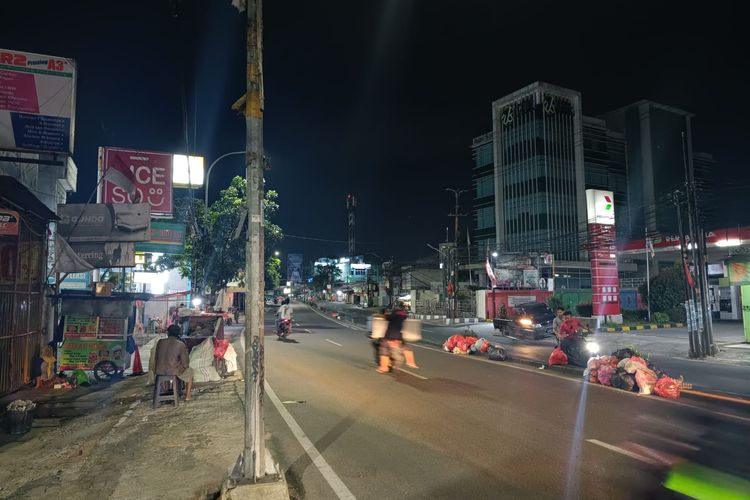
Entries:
{"x":215,"y":243}
{"x":325,"y":275}
{"x":667,"y":289}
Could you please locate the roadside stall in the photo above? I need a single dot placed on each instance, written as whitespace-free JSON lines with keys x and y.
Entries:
{"x":94,"y":333}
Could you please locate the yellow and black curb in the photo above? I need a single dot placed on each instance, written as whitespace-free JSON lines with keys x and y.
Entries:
{"x":653,"y":326}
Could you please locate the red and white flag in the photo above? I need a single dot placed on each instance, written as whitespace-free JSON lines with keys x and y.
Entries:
{"x":119,"y":173}
{"x":490,"y":273}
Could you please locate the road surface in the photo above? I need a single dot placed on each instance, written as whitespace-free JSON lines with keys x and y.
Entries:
{"x":459,"y":427}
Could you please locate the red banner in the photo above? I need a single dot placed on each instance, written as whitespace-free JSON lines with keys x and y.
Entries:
{"x":153,"y":177}
{"x":9,"y":221}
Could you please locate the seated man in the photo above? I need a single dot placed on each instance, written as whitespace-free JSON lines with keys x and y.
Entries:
{"x":171,"y":358}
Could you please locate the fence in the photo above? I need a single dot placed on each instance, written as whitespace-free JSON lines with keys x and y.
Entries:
{"x":22,"y":270}
{"x":464,"y":308}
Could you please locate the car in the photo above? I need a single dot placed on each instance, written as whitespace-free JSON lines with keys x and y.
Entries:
{"x":532,"y":320}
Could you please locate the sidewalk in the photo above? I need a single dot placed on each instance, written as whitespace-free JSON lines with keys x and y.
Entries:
{"x":107,"y":442}
{"x":728,"y":372}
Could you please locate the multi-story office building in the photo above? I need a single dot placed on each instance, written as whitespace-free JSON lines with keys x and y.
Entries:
{"x":657,"y":157}
{"x":483,"y":177}
{"x":605,"y":167}
{"x":540,"y":201}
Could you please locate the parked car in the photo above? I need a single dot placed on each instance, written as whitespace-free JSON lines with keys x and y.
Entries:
{"x":532,"y":320}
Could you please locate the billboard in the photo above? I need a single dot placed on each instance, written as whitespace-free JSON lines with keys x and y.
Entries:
{"x":600,"y":206}
{"x":37,"y":102}
{"x":164,"y":237}
{"x":104,"y":222}
{"x":294,"y":268}
{"x":153,"y":179}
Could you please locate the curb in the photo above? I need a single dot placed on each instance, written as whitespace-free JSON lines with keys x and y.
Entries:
{"x":652,"y":326}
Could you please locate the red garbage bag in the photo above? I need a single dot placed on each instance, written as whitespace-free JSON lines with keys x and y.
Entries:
{"x":558,"y":357}
{"x":604,"y":374}
{"x":667,"y":388}
{"x":220,"y":347}
{"x":452,"y":341}
{"x":471,"y":340}
{"x":593,"y":376}
{"x":464,"y":346}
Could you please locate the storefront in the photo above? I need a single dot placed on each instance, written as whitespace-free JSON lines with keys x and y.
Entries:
{"x":23,"y":255}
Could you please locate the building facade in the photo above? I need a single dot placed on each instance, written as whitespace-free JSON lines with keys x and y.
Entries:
{"x":539,"y":171}
{"x":658,"y":160}
{"x":483,"y":180}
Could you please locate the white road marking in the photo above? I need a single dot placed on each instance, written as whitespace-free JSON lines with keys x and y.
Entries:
{"x":411,"y":373}
{"x":426,"y":330}
{"x":306,"y":330}
{"x":334,"y":343}
{"x":338,"y":486}
{"x":351,"y":326}
{"x":127,"y":414}
{"x":623,"y":451}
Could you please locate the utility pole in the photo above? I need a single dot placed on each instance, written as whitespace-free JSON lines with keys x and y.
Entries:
{"x":453,"y":260}
{"x":697,"y":238}
{"x":254,"y":451}
{"x":689,"y":292}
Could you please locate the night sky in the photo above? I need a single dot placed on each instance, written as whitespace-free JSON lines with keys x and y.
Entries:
{"x":380,"y":98}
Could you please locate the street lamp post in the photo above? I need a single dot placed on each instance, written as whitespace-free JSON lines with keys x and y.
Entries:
{"x":208,"y":172}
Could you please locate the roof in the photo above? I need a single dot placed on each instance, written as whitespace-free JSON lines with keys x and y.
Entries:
{"x":20,"y":198}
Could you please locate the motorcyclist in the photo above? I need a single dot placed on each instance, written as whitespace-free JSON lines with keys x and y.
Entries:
{"x":284,"y":312}
{"x":571,"y":340}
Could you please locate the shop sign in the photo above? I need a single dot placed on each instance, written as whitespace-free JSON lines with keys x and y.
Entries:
{"x":84,"y":353}
{"x":164,"y":237}
{"x":112,"y":328}
{"x":103,"y":222}
{"x":739,"y":273}
{"x":79,"y":326}
{"x":106,"y":255}
{"x":600,"y":206}
{"x":9,"y":221}
{"x":153,"y":179}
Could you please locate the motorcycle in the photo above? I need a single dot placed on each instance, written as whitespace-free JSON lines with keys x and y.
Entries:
{"x":283,"y":328}
{"x":579,"y":348}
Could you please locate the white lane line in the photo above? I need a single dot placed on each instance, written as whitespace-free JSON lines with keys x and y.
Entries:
{"x":351,"y":326}
{"x":623,"y":451}
{"x":426,"y":330}
{"x":334,"y":343}
{"x":338,"y":486}
{"x":411,"y":373}
{"x":306,"y":330}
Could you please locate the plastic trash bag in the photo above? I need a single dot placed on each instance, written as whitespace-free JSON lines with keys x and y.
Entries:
{"x":558,"y":357}
{"x":633,"y":364}
{"x":450,"y":344}
{"x":604,"y":374}
{"x":593,"y":376}
{"x":497,"y":353}
{"x":645,"y":379}
{"x":667,"y":388}
{"x":622,"y":380}
{"x":486,"y":346}
{"x":623,"y":353}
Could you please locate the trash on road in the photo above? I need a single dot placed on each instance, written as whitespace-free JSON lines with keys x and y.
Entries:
{"x":558,"y":357}
{"x":468,"y":344}
{"x":628,"y":371}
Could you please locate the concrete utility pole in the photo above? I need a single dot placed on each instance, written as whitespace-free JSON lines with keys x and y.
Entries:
{"x":453,"y":261}
{"x":254,"y":451}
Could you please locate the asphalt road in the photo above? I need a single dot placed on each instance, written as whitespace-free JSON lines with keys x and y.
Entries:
{"x":460,"y":426}
{"x":666,"y":348}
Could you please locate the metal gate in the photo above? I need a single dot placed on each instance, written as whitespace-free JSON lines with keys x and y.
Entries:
{"x":22,"y":273}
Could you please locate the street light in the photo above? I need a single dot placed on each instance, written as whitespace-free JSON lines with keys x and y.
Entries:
{"x":208,"y":172}
{"x":277,"y":253}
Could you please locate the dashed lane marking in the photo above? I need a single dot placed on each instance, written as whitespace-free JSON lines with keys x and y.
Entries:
{"x":334,"y":343}
{"x":411,"y":373}
{"x":623,"y":451}
{"x":334,"y":481}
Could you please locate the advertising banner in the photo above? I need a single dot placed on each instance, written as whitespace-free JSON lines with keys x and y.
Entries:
{"x":78,"y":326}
{"x":112,"y":328}
{"x":84,"y":353}
{"x":9,"y":221}
{"x":153,"y":179}
{"x":605,"y":283}
{"x":37,"y":102}
{"x":739,"y":273}
{"x":294,"y":268}
{"x":164,"y":237}
{"x":101,"y":255}
{"x":104,"y":223}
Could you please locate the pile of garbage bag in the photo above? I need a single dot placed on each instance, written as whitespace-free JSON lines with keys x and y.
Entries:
{"x":468,"y":344}
{"x":626,"y":370}
{"x":21,"y":405}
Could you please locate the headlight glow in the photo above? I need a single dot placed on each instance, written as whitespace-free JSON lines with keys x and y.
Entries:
{"x":525,"y":321}
{"x":592,"y":347}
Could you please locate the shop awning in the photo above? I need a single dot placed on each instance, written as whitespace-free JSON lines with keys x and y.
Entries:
{"x":20,"y":198}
